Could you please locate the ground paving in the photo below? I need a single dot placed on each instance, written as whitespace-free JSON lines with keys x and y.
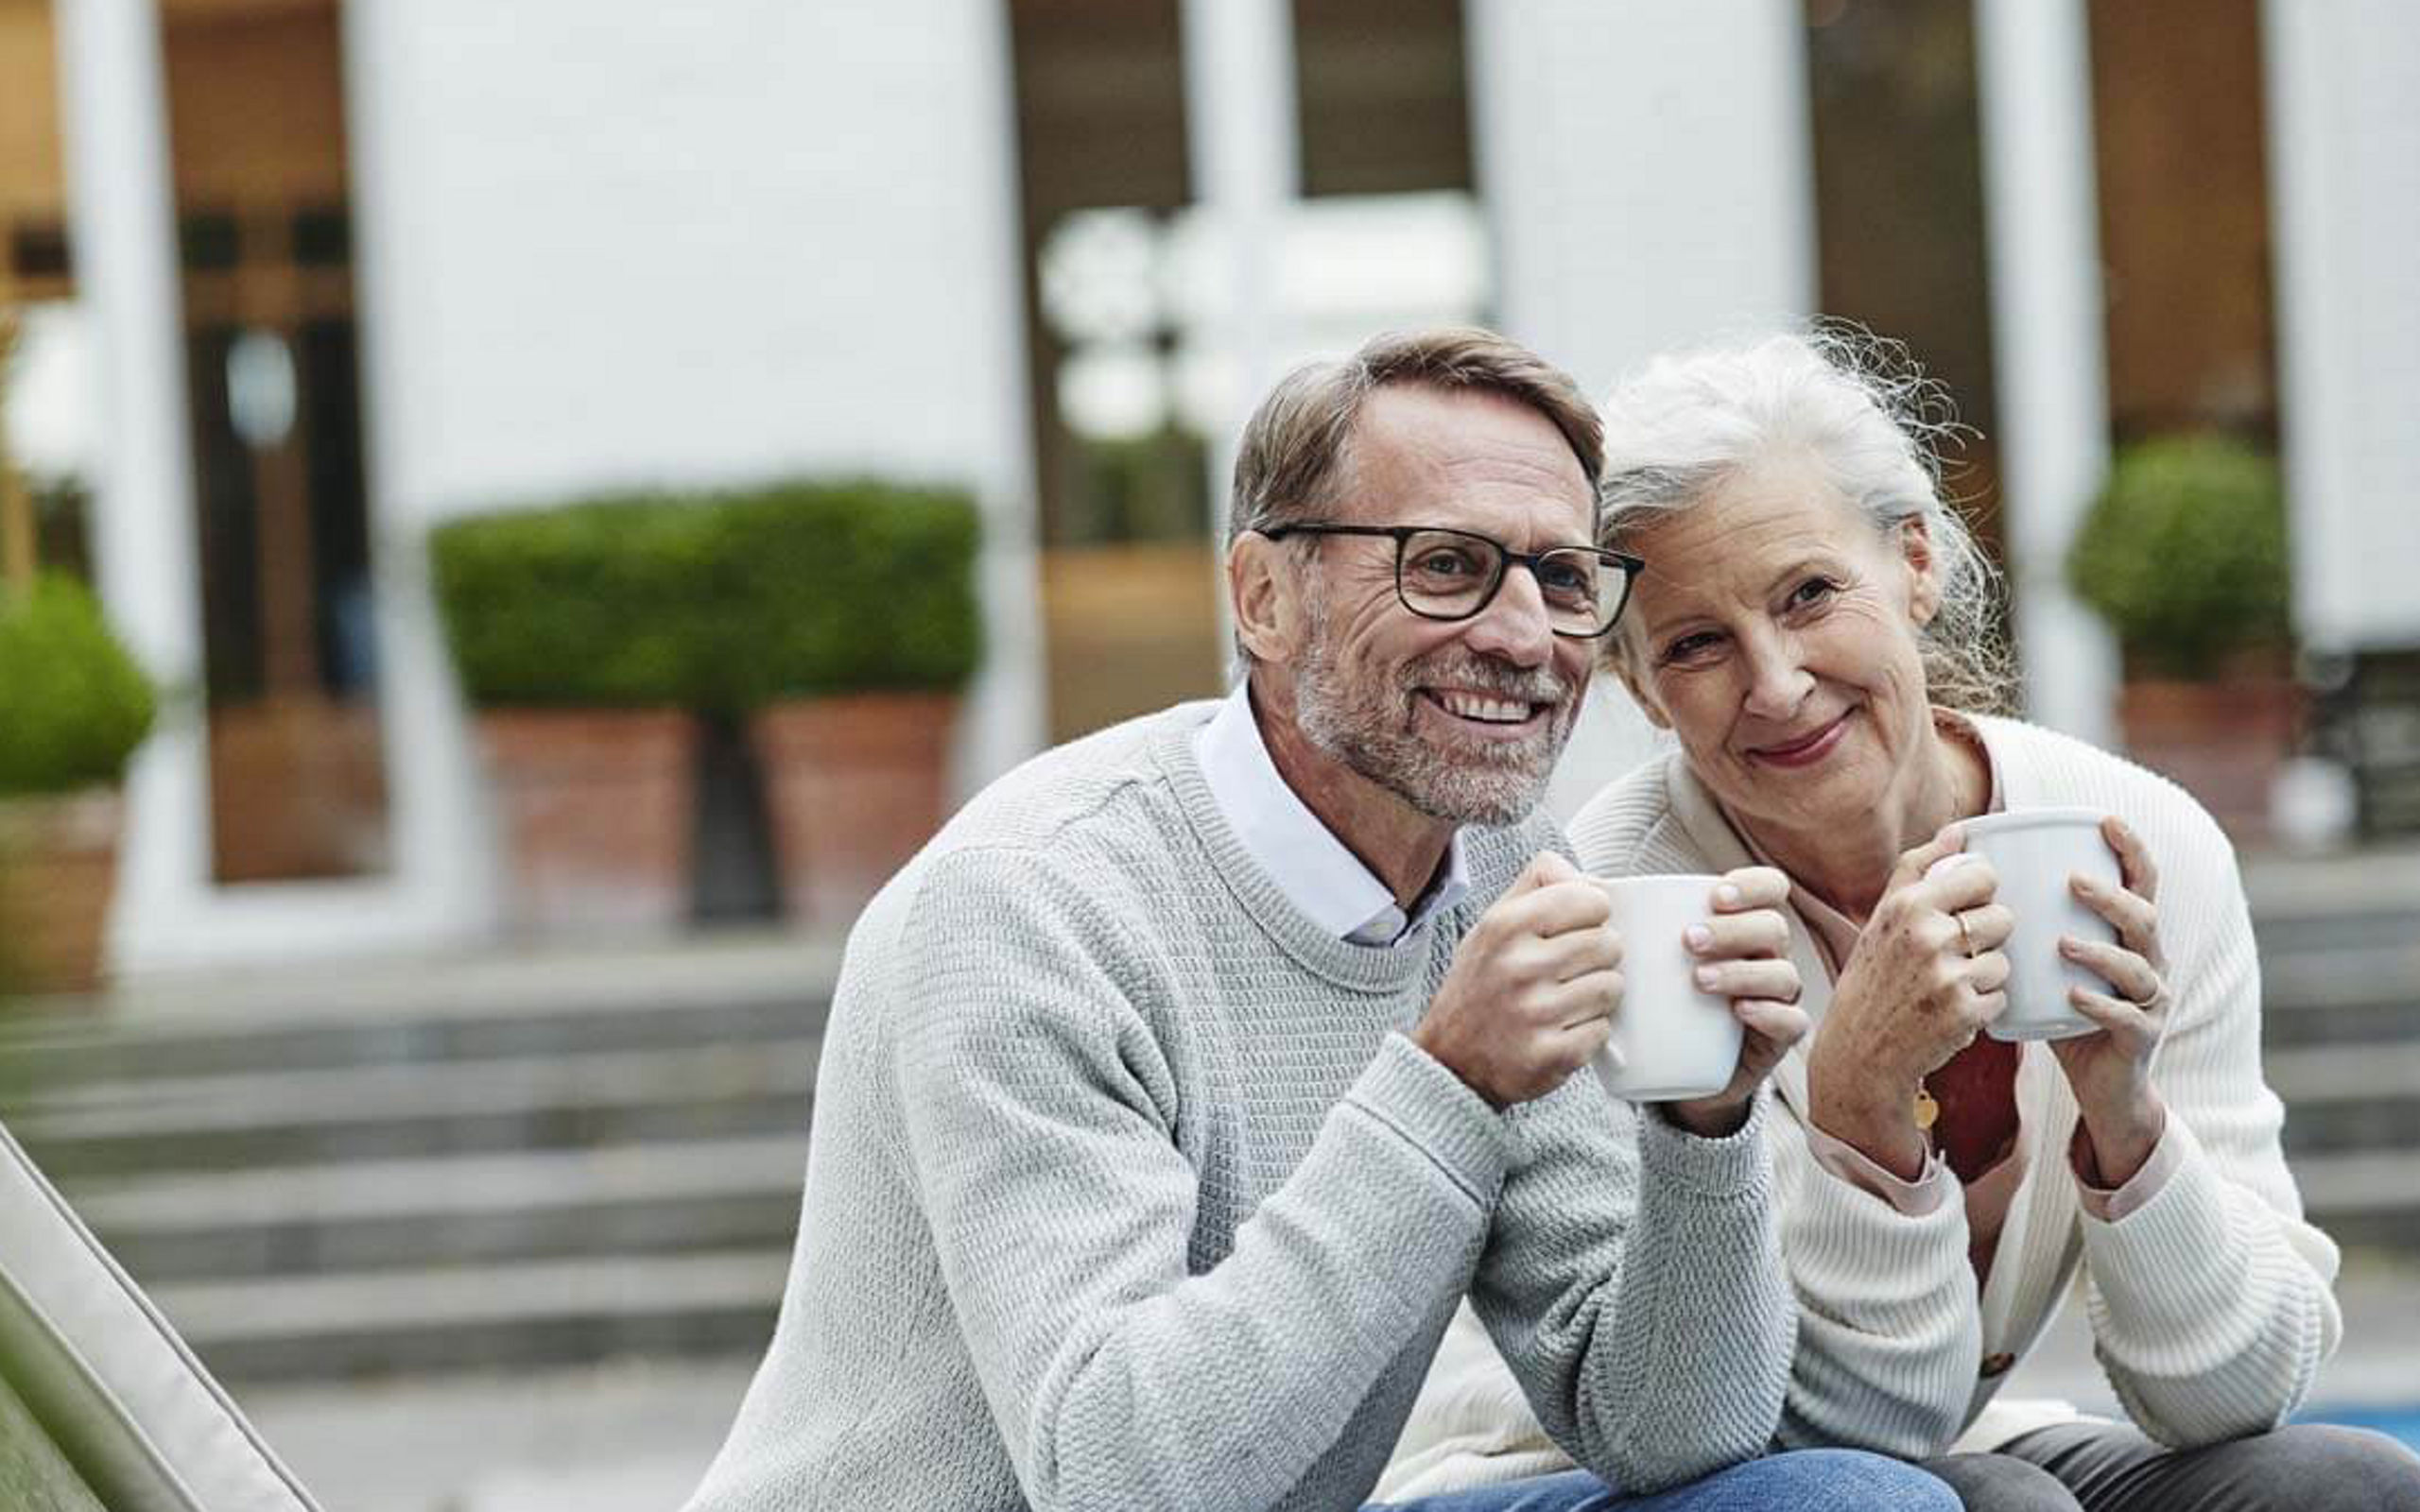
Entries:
{"x":635,"y":1437}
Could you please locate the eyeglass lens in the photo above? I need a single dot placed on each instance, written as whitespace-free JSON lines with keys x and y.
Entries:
{"x":1449,"y":576}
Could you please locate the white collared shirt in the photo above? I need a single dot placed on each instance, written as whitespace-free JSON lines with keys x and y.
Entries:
{"x":1318,"y":873}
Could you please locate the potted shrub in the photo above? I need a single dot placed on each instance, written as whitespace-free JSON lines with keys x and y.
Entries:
{"x":570,"y":630}
{"x":73,"y":705}
{"x":854,"y":629}
{"x":2183,"y":554}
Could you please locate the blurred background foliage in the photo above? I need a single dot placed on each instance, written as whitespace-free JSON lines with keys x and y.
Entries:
{"x":73,"y":701}
{"x":719,"y":602}
{"x":2183,"y":554}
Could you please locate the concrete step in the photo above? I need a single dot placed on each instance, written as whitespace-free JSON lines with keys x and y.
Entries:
{"x":479,"y":1317}
{"x":2364,"y":1198}
{"x":380,"y":1216}
{"x":2349,"y":1096}
{"x":39,"y":1055}
{"x":2350,"y":994}
{"x":400,"y":1109}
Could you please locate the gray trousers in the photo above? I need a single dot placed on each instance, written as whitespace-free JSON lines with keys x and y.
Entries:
{"x":2111,"y":1468}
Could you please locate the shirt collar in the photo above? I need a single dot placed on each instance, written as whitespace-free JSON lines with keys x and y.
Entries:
{"x":1316,"y":872}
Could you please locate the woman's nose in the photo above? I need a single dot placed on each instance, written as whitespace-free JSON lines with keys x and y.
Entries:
{"x":1777,"y":678}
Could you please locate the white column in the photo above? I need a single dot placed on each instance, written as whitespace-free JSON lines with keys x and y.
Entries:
{"x":2345,"y":155}
{"x":123,"y":224}
{"x":1240,"y":125}
{"x":1648,"y":173}
{"x":2033,"y":76}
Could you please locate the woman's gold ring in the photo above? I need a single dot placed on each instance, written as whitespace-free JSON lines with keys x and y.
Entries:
{"x":1965,"y":941}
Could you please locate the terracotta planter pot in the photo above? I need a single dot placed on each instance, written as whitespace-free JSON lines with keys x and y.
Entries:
{"x":597,"y":807}
{"x":2224,"y":742}
{"x":855,"y":786}
{"x":57,"y":868}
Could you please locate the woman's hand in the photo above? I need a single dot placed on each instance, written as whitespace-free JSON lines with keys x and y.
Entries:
{"x":1743,"y":954}
{"x":2110,"y":1072}
{"x":1925,"y":976}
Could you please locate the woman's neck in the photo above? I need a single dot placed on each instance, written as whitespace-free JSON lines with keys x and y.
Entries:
{"x":1846,"y":862}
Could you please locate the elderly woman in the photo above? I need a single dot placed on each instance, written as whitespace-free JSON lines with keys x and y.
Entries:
{"x":1815,"y":628}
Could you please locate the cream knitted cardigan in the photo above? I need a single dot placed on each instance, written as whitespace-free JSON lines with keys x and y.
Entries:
{"x":2211,"y":1305}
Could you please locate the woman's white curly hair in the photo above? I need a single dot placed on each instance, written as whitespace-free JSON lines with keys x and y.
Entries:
{"x":1857,"y":404}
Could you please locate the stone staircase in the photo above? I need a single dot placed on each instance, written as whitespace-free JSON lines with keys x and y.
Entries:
{"x":461,"y":1176}
{"x":561,"y":1162}
{"x":2340,"y":970}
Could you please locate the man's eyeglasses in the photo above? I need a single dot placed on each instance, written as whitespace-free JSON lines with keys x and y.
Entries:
{"x":1452,"y":575}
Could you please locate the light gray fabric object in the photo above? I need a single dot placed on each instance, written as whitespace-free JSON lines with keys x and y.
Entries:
{"x":105,"y":1377}
{"x":1126,"y":1189}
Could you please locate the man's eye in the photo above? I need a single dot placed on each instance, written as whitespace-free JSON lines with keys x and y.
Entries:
{"x":1445,"y":564}
{"x":1567,"y":579}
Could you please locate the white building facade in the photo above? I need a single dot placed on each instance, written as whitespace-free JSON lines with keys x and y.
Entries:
{"x":610,"y":244}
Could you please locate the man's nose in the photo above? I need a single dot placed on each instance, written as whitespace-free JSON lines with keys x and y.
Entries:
{"x":1514,"y":625}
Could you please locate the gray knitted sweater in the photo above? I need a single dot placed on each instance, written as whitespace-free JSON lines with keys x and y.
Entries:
{"x":1126,"y":1192}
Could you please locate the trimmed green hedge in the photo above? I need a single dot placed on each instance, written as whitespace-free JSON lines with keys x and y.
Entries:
{"x":721,"y":601}
{"x":74,"y":705}
{"x":2183,"y":554}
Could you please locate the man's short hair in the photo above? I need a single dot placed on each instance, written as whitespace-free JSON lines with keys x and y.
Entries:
{"x":1295,"y":447}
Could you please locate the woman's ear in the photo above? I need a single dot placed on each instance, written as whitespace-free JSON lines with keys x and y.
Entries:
{"x":1924,"y":569}
{"x":1265,"y":591}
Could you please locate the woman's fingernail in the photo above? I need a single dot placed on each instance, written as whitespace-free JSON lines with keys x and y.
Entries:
{"x":1706,"y":977}
{"x":1726,"y":894}
{"x":1698,"y":935}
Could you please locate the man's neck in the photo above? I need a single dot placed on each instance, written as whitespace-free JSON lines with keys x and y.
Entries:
{"x":1402,"y":846}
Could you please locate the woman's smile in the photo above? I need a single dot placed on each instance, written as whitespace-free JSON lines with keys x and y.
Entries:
{"x":1806,"y":749}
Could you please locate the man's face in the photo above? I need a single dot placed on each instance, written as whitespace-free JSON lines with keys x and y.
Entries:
{"x":1460,"y":719}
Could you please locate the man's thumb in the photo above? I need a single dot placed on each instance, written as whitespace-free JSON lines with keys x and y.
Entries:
{"x":1545,"y":870}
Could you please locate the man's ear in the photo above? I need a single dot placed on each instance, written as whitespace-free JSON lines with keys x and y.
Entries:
{"x":1266,"y":594}
{"x":1924,"y":569}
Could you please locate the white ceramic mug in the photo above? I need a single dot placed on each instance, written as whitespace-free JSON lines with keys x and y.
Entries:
{"x":2035,"y":852}
{"x":1674,"y":1041}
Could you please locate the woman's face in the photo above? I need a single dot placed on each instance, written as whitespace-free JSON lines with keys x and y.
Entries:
{"x":1774,"y":633}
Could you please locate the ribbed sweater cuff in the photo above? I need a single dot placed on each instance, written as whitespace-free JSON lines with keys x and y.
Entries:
{"x":1885,"y":1263}
{"x":1413,"y":1095}
{"x":2154,"y":1264}
{"x":1734,"y":1166}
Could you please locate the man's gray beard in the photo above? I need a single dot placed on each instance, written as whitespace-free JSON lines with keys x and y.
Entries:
{"x":1370,"y":729}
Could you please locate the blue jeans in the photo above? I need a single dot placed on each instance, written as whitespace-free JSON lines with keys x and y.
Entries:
{"x":1804,"y":1479}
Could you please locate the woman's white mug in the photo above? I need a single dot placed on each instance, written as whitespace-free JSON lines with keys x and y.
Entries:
{"x":1670,"y":1040}
{"x":2035,"y":851}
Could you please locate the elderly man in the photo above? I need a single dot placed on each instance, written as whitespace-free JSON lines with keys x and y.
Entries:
{"x":1176,"y":1094}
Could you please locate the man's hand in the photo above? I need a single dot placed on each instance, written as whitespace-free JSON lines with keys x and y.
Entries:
{"x":1533,"y":987}
{"x":1743,"y":954}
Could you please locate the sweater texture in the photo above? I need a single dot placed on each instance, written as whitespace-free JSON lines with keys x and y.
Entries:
{"x":2211,"y":1304}
{"x":1127,"y":1190}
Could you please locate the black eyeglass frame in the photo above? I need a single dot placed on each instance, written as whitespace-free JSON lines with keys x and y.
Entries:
{"x":1505,"y":559}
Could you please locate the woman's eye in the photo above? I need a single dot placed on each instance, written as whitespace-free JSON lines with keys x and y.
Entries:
{"x":1690,"y":648}
{"x":1813,"y":591}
